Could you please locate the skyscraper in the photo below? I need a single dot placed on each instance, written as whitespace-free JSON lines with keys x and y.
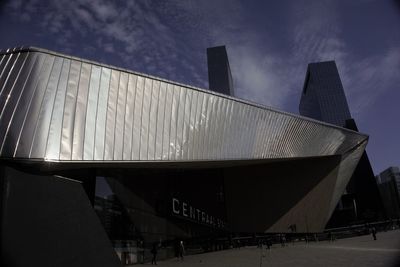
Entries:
{"x":219,"y":72}
{"x":389,"y":188}
{"x":323,"y":98}
{"x":323,"y":95}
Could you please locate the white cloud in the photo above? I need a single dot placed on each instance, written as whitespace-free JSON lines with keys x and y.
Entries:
{"x":368,"y":79}
{"x":164,"y":41}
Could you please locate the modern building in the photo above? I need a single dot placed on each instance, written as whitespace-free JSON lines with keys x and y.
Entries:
{"x":184,"y":163}
{"x":219,"y":72}
{"x":323,"y":98}
{"x":389,"y":188}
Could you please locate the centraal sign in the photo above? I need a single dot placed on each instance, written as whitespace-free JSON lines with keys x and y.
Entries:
{"x":185,"y":210}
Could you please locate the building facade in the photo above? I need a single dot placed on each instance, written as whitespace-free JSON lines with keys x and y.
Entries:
{"x":389,"y":188}
{"x":184,"y":163}
{"x":323,"y":98}
{"x":219,"y":72}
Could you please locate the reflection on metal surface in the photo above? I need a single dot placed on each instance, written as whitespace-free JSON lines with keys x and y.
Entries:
{"x":61,"y":109}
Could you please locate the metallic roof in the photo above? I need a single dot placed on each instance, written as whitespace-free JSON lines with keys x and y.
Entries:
{"x":58,"y":108}
{"x":61,"y":108}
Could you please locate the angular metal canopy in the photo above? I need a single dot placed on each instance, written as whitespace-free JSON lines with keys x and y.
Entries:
{"x":57,"y":108}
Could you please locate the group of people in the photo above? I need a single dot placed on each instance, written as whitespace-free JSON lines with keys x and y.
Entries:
{"x":180,"y":248}
{"x":179,"y":251}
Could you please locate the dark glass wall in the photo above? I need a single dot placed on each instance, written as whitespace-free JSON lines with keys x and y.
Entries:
{"x":323,"y":96}
{"x":219,"y":72}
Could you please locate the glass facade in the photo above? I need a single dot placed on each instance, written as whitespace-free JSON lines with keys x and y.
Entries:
{"x":323,"y":99}
{"x":323,"y":96}
{"x":219,"y":73}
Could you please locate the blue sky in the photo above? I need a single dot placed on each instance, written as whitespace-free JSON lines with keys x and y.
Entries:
{"x":269,"y":45}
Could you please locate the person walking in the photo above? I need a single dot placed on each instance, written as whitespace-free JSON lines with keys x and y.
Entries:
{"x":154,"y":251}
{"x":331,"y":236}
{"x":283,"y":240}
{"x":373,"y":231}
{"x":181,"y":250}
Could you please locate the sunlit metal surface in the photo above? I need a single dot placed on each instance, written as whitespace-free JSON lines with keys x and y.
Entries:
{"x":60,"y":108}
{"x":65,"y":109}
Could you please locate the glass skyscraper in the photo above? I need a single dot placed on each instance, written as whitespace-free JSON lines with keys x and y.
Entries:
{"x":219,"y":73}
{"x":323,"y":99}
{"x":323,"y":95}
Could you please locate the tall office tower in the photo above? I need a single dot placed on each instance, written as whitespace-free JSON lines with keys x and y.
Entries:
{"x":323,"y":96}
{"x":389,"y":188}
{"x":323,"y":99}
{"x":219,"y":72}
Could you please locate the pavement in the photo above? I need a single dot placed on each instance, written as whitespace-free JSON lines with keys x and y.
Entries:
{"x":360,"y":251}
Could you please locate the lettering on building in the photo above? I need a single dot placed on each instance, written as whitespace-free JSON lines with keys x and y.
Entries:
{"x":185,"y":210}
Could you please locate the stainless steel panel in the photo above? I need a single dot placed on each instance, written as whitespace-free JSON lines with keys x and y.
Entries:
{"x":227,"y":129}
{"x":179,"y":124}
{"x":261,"y":134}
{"x":31,"y":116}
{"x":221,"y":127}
{"x":120,"y":119}
{"x":129,"y":112}
{"x":6,"y":89}
{"x":91,"y":113}
{"x":69,"y":110}
{"x":8,"y":108}
{"x":220,"y":121}
{"x":174,"y":120}
{"x":159,"y":134}
{"x":236,"y":131}
{"x":80,"y":112}
{"x":196,"y":127}
{"x":3,"y":60}
{"x":256,"y":124}
{"x":7,"y":69}
{"x":203,"y":126}
{"x":137,"y":121}
{"x":154,"y":105}
{"x":191,"y":126}
{"x":213,"y":141}
{"x":100,"y":132}
{"x":166,"y":143}
{"x":38,"y":147}
{"x":145,"y":118}
{"x":250,"y":133}
{"x":55,"y":129}
{"x":186,"y":124}
{"x":111,"y":114}
{"x":243,"y":130}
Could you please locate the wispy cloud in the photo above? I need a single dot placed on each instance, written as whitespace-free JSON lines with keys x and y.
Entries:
{"x":366,"y":80}
{"x":135,"y":32}
{"x":168,"y":39}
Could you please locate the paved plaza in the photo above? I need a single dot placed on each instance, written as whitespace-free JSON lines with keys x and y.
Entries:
{"x":358,"y":251}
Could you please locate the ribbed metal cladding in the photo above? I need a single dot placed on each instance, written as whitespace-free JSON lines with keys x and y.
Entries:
{"x":59,"y":108}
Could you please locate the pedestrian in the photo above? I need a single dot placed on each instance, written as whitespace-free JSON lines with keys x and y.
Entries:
{"x":154,"y":251}
{"x":283,"y":240}
{"x":373,"y":231}
{"x":330,"y":236}
{"x":141,"y":251}
{"x":269,"y":243}
{"x":181,"y":250}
